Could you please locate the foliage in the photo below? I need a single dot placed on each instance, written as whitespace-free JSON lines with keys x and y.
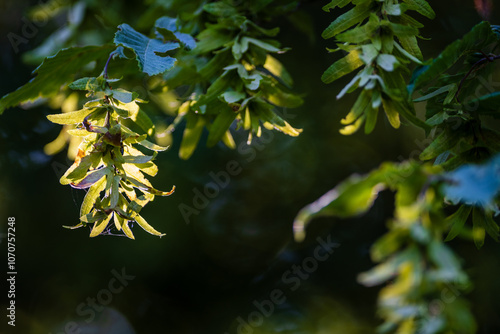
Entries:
{"x":228,"y":77}
{"x":413,"y":260}
{"x":233,"y":75}
{"x":54,"y":72}
{"x":107,"y":159}
{"x":412,"y":256}
{"x":381,"y":43}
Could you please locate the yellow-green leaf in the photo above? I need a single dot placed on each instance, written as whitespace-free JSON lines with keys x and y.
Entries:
{"x":148,"y":228}
{"x":100,"y":226}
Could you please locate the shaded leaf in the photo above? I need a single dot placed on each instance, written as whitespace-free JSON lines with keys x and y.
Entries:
{"x":457,"y":221}
{"x":54,"y":72}
{"x":347,"y":20}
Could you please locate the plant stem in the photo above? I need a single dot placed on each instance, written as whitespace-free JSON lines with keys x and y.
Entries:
{"x":106,"y":66}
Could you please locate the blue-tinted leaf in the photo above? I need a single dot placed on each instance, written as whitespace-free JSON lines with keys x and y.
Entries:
{"x":150,"y":53}
{"x":167,"y":24}
{"x":474,"y":184}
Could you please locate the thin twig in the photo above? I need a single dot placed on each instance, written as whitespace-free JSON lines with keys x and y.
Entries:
{"x":482,"y":60}
{"x":106,"y":66}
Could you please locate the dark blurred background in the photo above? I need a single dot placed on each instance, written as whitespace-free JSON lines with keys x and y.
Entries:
{"x":205,"y":275}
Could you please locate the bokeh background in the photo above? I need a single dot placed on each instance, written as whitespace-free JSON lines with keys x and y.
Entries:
{"x":205,"y":274}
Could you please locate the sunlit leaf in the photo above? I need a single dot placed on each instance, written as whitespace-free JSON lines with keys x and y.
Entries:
{"x":148,"y":228}
{"x":191,"y":136}
{"x":91,"y":196}
{"x":100,"y":226}
{"x":70,"y":117}
{"x":342,"y":67}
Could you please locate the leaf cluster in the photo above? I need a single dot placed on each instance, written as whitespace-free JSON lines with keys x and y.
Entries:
{"x":108,"y":161}
{"x":380,"y":41}
{"x":232,"y":75}
{"x":413,"y":260}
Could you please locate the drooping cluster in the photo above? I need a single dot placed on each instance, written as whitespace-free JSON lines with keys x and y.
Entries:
{"x":108,"y":159}
{"x":380,"y":40}
{"x":232,"y":75}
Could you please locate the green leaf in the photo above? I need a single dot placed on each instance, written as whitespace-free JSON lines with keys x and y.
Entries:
{"x":410,"y":44}
{"x":132,"y":159}
{"x":278,"y":70}
{"x":336,"y":3}
{"x":100,"y":226}
{"x":491,"y":226}
{"x":115,"y":193}
{"x":401,"y":30}
{"x":351,"y":198}
{"x":342,"y":67}
{"x":220,"y":125}
{"x":276,"y":96}
{"x":422,"y":7}
{"x":371,"y":119}
{"x":191,"y":136}
{"x":359,"y":34}
{"x":359,"y":107}
{"x":54,"y":72}
{"x":148,"y":228}
{"x":445,"y":141}
{"x":122,"y":95}
{"x":91,"y":178}
{"x":391,"y":112}
{"x":211,"y":39}
{"x":347,"y":20}
{"x":144,"y":122}
{"x":151,"y":146}
{"x":388,"y":269}
{"x":435,"y":93}
{"x":91,"y":196}
{"x":216,"y":88}
{"x":480,"y":36}
{"x":149,"y":189}
{"x":93,"y":217}
{"x":388,"y":244}
{"x":73,"y":117}
{"x":135,"y":206}
{"x":79,"y":169}
{"x":150,"y":53}
{"x":263,"y":45}
{"x":215,"y":65}
{"x":89,"y":84}
{"x":264,"y":111}
{"x":268,"y":32}
{"x":232,"y":96}
{"x":220,"y":8}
